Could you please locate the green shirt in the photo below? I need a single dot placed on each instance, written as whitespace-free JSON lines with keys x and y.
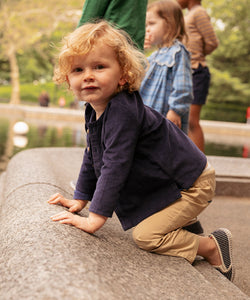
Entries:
{"x":128,"y":15}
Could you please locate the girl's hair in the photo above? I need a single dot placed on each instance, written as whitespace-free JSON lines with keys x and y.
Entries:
{"x":171,"y":12}
{"x":83,"y":39}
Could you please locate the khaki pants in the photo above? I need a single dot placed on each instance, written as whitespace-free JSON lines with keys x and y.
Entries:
{"x":162,"y":232}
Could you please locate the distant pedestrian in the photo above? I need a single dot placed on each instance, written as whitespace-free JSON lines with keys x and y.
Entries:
{"x":44,"y":99}
{"x":136,"y":163}
{"x":61,"y":102}
{"x":201,"y":42}
{"x":167,"y":86}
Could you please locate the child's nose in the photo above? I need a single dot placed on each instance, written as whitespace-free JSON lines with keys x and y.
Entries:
{"x":88,"y":75}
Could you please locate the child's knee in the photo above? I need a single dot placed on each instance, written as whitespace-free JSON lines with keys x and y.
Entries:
{"x":143,"y":240}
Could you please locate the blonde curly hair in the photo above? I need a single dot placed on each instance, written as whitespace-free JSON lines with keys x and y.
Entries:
{"x":132,"y":62}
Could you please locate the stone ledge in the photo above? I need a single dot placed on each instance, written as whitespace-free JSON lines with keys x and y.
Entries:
{"x":225,"y":128}
{"x":42,"y":113}
{"x":232,"y":175}
{"x":46,"y":260}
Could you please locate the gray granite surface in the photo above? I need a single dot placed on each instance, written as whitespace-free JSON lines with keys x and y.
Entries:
{"x":41,"y":259}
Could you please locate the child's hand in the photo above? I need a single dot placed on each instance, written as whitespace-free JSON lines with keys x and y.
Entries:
{"x":66,"y":217}
{"x":90,"y":224}
{"x":73,"y":205}
{"x":174,"y":117}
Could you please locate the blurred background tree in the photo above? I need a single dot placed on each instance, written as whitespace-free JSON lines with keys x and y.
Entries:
{"x":230,"y":63}
{"x":27,"y":28}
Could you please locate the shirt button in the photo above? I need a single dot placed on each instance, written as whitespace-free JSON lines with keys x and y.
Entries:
{"x":87,"y":130}
{"x":88,"y":149}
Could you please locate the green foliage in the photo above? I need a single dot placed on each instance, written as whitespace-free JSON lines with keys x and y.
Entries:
{"x":223,"y":150}
{"x":228,"y":98}
{"x":229,"y":93}
{"x":233,"y":53}
{"x":5,"y":92}
{"x":39,"y":60}
{"x":227,"y":89}
{"x":26,"y":31}
{"x":36,"y":68}
{"x":4,"y":71}
{"x":4,"y":125}
{"x":224,"y":112}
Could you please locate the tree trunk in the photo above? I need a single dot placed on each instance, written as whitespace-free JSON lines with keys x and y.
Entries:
{"x":14,"y":74}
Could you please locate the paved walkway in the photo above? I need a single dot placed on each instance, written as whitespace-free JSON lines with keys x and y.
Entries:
{"x":233,"y":213}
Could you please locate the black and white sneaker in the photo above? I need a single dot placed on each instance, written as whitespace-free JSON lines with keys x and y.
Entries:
{"x":223,"y":240}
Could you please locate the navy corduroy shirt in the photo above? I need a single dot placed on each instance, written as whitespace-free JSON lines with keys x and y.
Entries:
{"x":136,"y":161}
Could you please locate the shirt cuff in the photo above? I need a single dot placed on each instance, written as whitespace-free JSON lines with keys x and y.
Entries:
{"x":81,"y":196}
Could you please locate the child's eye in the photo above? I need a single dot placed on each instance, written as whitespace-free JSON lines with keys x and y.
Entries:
{"x":99,"y":67}
{"x":77,"y":70}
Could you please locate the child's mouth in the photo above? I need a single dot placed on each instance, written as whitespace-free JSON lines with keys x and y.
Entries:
{"x":89,"y":88}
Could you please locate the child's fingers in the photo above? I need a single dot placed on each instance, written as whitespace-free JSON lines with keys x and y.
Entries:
{"x":59,"y":199}
{"x":65,"y":202}
{"x":63,"y":217}
{"x":74,"y":208}
{"x":66,"y":221}
{"x":60,"y":216}
{"x":54,"y":198}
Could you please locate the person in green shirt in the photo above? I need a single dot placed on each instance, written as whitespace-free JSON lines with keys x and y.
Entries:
{"x":127,"y":15}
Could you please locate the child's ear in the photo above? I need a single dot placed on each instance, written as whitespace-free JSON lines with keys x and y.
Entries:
{"x":67,"y":80}
{"x":122,"y":81}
